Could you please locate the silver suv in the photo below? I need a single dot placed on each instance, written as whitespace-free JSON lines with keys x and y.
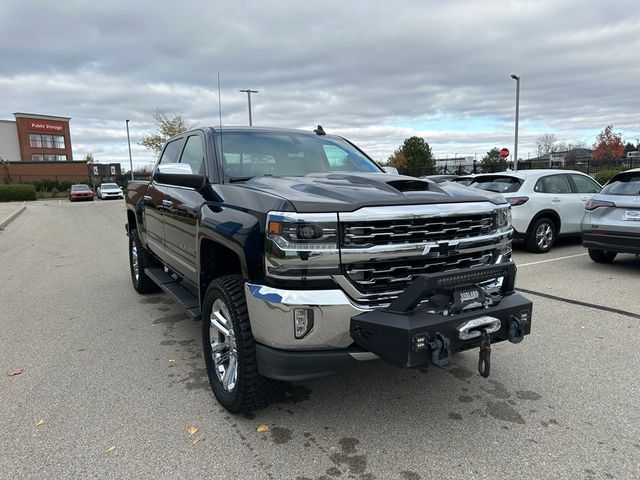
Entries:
{"x":611,"y":222}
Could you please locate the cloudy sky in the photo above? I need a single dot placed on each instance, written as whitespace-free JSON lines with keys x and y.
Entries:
{"x":375,"y":72}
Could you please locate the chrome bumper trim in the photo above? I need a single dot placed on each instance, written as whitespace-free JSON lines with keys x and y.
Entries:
{"x":271,"y":316}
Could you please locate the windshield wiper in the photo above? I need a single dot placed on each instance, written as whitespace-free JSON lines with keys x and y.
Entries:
{"x":239,"y":179}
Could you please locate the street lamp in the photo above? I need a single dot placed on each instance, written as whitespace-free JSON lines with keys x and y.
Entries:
{"x":515,"y":146}
{"x":129,"y":143}
{"x":249,"y":92}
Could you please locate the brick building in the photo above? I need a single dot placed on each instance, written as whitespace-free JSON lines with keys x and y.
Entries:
{"x":38,"y":147}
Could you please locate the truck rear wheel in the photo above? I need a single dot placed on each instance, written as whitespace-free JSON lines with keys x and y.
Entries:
{"x":230,"y":350}
{"x":139,"y":259}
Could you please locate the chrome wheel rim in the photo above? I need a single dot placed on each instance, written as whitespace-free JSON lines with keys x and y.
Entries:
{"x":134,"y":261}
{"x":544,"y":235}
{"x":224,"y":351}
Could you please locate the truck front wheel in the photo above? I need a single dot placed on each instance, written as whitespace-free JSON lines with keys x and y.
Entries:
{"x":139,"y":259}
{"x":230,"y":350}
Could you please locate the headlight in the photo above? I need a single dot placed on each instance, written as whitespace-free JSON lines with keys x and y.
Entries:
{"x":503,"y":218}
{"x":301,"y":246}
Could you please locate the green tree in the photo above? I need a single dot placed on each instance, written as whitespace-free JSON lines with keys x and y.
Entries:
{"x":629,"y":147}
{"x":418,"y":157}
{"x":397,"y":160}
{"x":608,"y":146}
{"x":492,"y":162}
{"x":167,"y":126}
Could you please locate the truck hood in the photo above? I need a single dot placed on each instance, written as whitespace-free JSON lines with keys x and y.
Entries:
{"x":346,"y":192}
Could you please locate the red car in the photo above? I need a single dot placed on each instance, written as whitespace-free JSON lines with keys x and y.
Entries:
{"x":80,"y":192}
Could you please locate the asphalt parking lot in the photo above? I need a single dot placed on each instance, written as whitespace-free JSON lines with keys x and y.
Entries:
{"x":117,"y":379}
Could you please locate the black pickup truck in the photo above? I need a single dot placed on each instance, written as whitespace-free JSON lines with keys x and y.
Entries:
{"x":302,"y":257}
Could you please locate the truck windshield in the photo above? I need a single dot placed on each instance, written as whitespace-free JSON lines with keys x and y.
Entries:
{"x":249,"y":154}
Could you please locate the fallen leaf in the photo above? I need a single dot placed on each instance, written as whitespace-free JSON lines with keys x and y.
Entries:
{"x":192,"y":430}
{"x":263,"y":427}
{"x":15,"y":371}
{"x":194,"y":441}
{"x":40,"y":423}
{"x":111,"y":448}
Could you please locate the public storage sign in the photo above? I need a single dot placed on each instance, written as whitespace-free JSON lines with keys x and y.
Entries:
{"x":46,"y":126}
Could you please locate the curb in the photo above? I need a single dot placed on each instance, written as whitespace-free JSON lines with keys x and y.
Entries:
{"x":13,"y":216}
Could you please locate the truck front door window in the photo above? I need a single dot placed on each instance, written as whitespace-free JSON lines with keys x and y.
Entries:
{"x":193,"y":154}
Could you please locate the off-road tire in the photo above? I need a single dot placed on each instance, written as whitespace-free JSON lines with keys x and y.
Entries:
{"x":141,"y":282}
{"x":251,"y":390}
{"x":602,"y":256}
{"x":542,"y":226}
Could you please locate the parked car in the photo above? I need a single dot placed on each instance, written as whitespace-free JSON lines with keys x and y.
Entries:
{"x":79,"y":192}
{"x":611,"y":221}
{"x":440,"y":178}
{"x":109,"y":190}
{"x":544,"y":203}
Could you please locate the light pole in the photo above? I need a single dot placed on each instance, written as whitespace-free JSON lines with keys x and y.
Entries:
{"x":129,"y":144}
{"x":515,"y":146}
{"x":249,"y":92}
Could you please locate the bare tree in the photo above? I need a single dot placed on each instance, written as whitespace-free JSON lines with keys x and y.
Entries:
{"x":547,"y":143}
{"x":167,"y":128}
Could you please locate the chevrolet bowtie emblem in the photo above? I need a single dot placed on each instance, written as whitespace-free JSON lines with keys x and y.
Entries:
{"x":441,"y":248}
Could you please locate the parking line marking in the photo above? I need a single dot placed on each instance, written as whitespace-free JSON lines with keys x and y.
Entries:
{"x":582,"y":304}
{"x":551,"y":259}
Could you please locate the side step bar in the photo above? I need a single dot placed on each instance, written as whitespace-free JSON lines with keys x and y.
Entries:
{"x":175,"y":290}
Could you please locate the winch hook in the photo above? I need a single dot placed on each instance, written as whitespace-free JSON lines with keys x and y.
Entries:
{"x":484,"y":358}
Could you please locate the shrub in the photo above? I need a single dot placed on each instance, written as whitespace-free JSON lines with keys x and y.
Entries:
{"x":48,"y":185}
{"x":606,"y":175}
{"x":17,"y":192}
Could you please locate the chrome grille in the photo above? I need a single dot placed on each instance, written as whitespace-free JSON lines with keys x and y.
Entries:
{"x":415,"y":230}
{"x":391,"y":278}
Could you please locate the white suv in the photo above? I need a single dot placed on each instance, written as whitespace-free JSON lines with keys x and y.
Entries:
{"x":544,"y":203}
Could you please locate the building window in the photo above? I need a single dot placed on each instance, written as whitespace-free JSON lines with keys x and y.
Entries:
{"x":36,"y":158}
{"x":47,"y":141}
{"x":61,"y":158}
{"x":49,"y":157}
{"x":35,"y":140}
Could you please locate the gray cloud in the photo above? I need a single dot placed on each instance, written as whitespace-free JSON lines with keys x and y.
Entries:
{"x":375,"y":73}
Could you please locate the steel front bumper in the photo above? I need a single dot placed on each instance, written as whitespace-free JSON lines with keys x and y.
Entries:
{"x":406,"y":334}
{"x":417,"y":338}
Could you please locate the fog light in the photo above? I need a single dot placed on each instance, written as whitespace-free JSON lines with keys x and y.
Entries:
{"x":302,"y":321}
{"x":420,"y":342}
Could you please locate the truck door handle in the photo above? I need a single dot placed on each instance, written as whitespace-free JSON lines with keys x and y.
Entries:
{"x":167,"y":203}
{"x":556,"y":200}
{"x":146,"y":198}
